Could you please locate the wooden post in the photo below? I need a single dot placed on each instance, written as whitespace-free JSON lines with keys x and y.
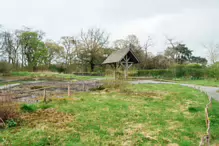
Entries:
{"x":206,"y":117}
{"x":126,"y":64}
{"x":83,"y":86}
{"x":115,"y":69}
{"x":210,"y":99}
{"x":3,"y":123}
{"x":44,"y":95}
{"x":69,"y":90}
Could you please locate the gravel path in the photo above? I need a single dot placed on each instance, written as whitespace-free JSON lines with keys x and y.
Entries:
{"x":211,"y":91}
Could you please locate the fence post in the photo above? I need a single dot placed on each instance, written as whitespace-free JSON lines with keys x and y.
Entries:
{"x":84,"y":86}
{"x":69,"y":90}
{"x":44,"y":95}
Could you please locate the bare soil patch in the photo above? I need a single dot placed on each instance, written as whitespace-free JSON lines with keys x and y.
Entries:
{"x":30,"y":92}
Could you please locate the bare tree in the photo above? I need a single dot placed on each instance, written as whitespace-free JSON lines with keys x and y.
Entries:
{"x":16,"y":44}
{"x":119,"y":44}
{"x":55,"y":52}
{"x":212,"y":52}
{"x":133,"y":41}
{"x":69,"y":45}
{"x":91,"y":46}
{"x":1,"y":43}
{"x":147,"y":45}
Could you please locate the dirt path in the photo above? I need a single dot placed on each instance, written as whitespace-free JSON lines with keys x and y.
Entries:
{"x":211,"y":91}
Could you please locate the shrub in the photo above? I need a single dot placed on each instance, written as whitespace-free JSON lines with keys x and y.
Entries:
{"x":9,"y":111}
{"x":101,"y":87}
{"x":5,"y":67}
{"x":88,"y":74}
{"x":57,"y":68}
{"x":115,"y":84}
{"x":11,"y":123}
{"x":213,"y":71}
{"x":28,"y":108}
{"x":155,"y":73}
{"x":192,"y":71}
{"x":178,"y":71}
{"x":21,"y":74}
{"x":45,"y":106}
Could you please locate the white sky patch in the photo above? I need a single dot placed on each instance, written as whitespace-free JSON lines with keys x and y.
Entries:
{"x":192,"y":27}
{"x":192,"y":22}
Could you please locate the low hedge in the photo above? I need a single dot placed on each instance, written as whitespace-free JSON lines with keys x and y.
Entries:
{"x":5,"y":68}
{"x":88,"y":74}
{"x":177,"y":71}
{"x":155,"y":73}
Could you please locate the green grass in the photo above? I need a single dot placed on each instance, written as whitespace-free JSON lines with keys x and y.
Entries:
{"x":7,"y":83}
{"x":50,"y":75}
{"x":202,"y":82}
{"x":209,"y":82}
{"x":144,"y":115}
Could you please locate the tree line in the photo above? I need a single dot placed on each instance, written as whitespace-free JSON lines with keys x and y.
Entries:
{"x":27,"y":49}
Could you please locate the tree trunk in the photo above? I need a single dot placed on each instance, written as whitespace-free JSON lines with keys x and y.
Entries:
{"x":92,"y":65}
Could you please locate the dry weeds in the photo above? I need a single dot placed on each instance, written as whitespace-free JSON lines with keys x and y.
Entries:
{"x":47,"y":118}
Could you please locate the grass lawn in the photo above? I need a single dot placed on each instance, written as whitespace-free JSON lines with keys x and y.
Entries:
{"x":8,"y":83}
{"x":203,"y":82}
{"x":51,"y":75}
{"x":209,"y":82}
{"x":143,"y":115}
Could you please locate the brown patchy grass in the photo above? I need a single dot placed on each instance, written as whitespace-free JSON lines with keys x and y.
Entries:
{"x":47,"y":118}
{"x":148,"y":94}
{"x":157,"y":115}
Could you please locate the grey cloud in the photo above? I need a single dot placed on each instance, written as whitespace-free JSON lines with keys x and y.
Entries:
{"x":191,"y":21}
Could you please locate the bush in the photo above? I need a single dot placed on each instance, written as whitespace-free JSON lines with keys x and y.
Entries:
{"x":115,"y":84}
{"x":9,"y":111}
{"x":45,"y":106}
{"x":28,"y":108}
{"x":11,"y":123}
{"x":155,"y":73}
{"x":88,"y":74}
{"x":213,"y":71}
{"x":192,"y":71}
{"x":57,"y":68}
{"x":5,"y":67}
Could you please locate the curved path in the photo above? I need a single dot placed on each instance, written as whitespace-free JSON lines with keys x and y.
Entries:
{"x":210,"y":91}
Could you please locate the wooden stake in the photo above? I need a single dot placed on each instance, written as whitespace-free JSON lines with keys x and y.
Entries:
{"x":44,"y":95}
{"x":115,"y":69}
{"x":83,"y":86}
{"x":206,"y":117}
{"x":69,"y":90}
{"x":3,"y":123}
{"x":210,"y":101}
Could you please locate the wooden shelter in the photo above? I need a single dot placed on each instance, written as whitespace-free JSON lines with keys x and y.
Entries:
{"x":123,"y":57}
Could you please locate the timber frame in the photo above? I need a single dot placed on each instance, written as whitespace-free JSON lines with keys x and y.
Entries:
{"x":124,"y":57}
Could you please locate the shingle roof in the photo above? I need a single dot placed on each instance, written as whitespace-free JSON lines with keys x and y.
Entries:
{"x":118,"y":55}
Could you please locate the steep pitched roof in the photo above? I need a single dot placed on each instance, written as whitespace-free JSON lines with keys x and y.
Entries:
{"x":118,"y":55}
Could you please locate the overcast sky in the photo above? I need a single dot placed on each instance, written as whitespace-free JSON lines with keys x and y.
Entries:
{"x":194,"y":22}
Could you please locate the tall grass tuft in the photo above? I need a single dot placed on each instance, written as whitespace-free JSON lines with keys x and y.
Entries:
{"x":9,"y":111}
{"x":29,"y":108}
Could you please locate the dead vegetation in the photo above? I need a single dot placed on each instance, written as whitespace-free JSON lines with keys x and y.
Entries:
{"x":47,"y":118}
{"x":8,"y":109}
